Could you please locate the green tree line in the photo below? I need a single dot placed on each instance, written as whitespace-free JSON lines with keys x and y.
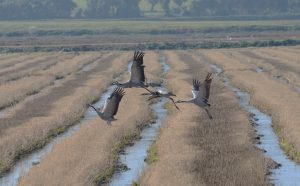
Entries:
{"x":49,"y":9}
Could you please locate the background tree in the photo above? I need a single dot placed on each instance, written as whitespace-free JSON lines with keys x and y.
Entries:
{"x":99,"y":9}
{"x":153,"y":3}
{"x":127,"y":8}
{"x":180,"y":8}
{"x":35,"y":9}
{"x":49,"y":9}
{"x":113,"y":8}
{"x":294,"y":6}
{"x":166,"y":6}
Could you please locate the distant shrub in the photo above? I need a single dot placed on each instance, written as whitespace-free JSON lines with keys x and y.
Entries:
{"x":156,"y":46}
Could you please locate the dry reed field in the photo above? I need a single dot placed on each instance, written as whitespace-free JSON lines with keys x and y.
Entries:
{"x":29,"y":66}
{"x":48,"y":113}
{"x":278,"y":69}
{"x":43,"y":94}
{"x":88,"y":154}
{"x":268,"y":93}
{"x":9,"y":60}
{"x":13,"y":92}
{"x":193,"y":150}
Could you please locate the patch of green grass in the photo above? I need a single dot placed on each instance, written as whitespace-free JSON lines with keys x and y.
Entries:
{"x":105,"y":176}
{"x":69,"y":27}
{"x":152,"y":154}
{"x":155,"y":46}
{"x":135,"y":184}
{"x":289,"y":148}
{"x":3,"y":167}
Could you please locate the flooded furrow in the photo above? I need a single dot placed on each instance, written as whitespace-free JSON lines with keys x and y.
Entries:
{"x":134,"y":156}
{"x":287,"y":172}
{"x":25,"y":164}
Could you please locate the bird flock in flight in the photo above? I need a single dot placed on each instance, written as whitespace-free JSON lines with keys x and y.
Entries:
{"x":200,"y":91}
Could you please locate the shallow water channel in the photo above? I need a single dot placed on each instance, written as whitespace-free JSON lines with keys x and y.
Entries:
{"x":25,"y":164}
{"x":2,"y":113}
{"x":288,"y":173}
{"x":134,"y":156}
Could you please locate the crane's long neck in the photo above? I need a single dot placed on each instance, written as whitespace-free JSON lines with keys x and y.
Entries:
{"x":116,"y":83}
{"x":185,"y":101}
{"x":123,"y":85}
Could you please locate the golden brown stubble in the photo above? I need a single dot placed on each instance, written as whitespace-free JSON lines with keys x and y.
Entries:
{"x":269,"y":95}
{"x":41,"y":63}
{"x":153,"y":67}
{"x":24,"y":64}
{"x":278,"y":72}
{"x":8,"y":56}
{"x":13,"y":92}
{"x":293,"y":49}
{"x":56,"y":110}
{"x":289,"y":58}
{"x":276,"y":62}
{"x":68,"y":66}
{"x":89,"y":152}
{"x":13,"y":59}
{"x":193,"y":150}
{"x":80,"y":158}
{"x":290,"y":64}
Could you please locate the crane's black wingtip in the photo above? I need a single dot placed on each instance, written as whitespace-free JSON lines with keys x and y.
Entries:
{"x":138,"y":55}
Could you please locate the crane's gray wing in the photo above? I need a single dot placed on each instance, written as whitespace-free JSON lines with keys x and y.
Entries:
{"x":206,"y":86}
{"x":196,"y":88}
{"x":113,"y":102}
{"x":140,"y":77}
{"x":137,"y":73}
{"x":105,"y":105}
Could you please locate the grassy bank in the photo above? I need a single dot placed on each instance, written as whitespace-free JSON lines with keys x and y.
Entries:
{"x":96,"y":27}
{"x":152,"y":46}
